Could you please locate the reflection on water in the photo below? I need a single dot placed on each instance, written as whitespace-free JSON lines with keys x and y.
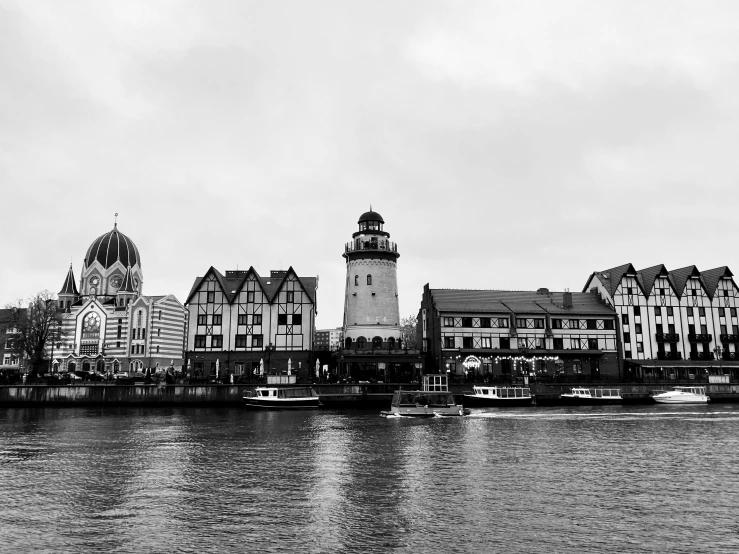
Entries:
{"x":610,"y":479}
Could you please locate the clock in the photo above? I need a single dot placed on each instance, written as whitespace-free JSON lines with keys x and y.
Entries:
{"x":116,"y":281}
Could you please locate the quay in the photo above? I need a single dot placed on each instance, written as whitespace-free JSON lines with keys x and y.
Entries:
{"x":364,"y":395}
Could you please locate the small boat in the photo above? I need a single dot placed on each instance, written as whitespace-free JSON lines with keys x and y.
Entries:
{"x":681,"y":395}
{"x":584,"y":396}
{"x":293,"y":398}
{"x":434,"y":400}
{"x":498,"y":396}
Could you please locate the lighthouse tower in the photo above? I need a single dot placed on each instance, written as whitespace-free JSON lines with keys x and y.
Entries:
{"x":371,"y":314}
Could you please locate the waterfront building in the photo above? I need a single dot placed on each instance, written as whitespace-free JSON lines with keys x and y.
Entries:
{"x":242,"y":324}
{"x":501,"y":335}
{"x":108,"y":325}
{"x":10,"y":358}
{"x":372,"y":347}
{"x":328,"y":339}
{"x":679,"y":324}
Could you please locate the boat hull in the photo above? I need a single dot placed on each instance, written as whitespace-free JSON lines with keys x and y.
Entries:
{"x":282,"y":404}
{"x":584,"y":401}
{"x":473,"y":401}
{"x":678,"y":400}
{"x":425,"y":411}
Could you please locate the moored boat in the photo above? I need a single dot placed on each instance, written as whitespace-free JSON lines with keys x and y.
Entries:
{"x":681,"y":395}
{"x":434,"y":400}
{"x":293,"y":398}
{"x":586,"y":396}
{"x":498,"y":396}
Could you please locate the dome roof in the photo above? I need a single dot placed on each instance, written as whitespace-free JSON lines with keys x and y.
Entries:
{"x":111,"y":247}
{"x":370,"y":216}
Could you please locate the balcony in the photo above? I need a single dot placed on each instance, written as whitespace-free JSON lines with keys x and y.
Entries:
{"x":669,"y":356}
{"x":667,"y":337}
{"x":730,"y":355}
{"x":701,"y":355}
{"x":381,"y":245}
{"x":729,"y":338}
{"x":692,"y":337}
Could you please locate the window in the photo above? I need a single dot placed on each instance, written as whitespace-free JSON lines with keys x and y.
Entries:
{"x":256,"y":319}
{"x":538,"y":323}
{"x":556,"y":324}
{"x":657,"y":311}
{"x":521,"y":323}
{"x":257,"y":341}
{"x":558,"y":344}
{"x":701,"y":311}
{"x":640,"y":347}
{"x":157,"y":349}
{"x":240,"y":341}
{"x":485,"y":342}
{"x":202,"y":319}
{"x":629,"y":290}
{"x":637,"y":328}
{"x":466,"y":322}
{"x":250,"y":296}
{"x":369,"y":279}
{"x":91,"y":326}
{"x":216,"y":341}
{"x":637,"y":310}
{"x":624,"y":319}
{"x":503,"y":322}
{"x":485,"y":322}
{"x":448,"y":322}
{"x":297,"y":319}
{"x":290,"y":296}
{"x":575,"y":344}
{"x":733,"y":312}
{"x":160,"y":314}
{"x":592,"y":344}
{"x":217,"y":319}
{"x":448,"y":342}
{"x":281,"y":319}
{"x":522,"y":343}
{"x":241,"y":319}
{"x":627,"y":337}
{"x":726,"y":293}
{"x":466,"y":342}
{"x":609,"y":324}
{"x":143,"y":333}
{"x":199,"y":341}
{"x":574,"y":323}
{"x":690,"y":312}
{"x":723,"y":330}
{"x":592,"y":324}
{"x":704,"y":329}
{"x":356,"y":280}
{"x":661,"y":292}
{"x":694,"y":292}
{"x":505,"y":342}
{"x":670,"y":312}
{"x":211,"y":297}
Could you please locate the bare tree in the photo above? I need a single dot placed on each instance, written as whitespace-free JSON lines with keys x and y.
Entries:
{"x":409,"y":331}
{"x":33,"y":326}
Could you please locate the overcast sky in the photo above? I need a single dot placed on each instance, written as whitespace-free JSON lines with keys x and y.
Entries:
{"x":508,"y":145}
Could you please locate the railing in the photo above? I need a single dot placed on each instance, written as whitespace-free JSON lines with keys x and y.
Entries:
{"x":693,"y":337}
{"x":729,"y":338}
{"x":701,"y":355}
{"x":667,"y":337}
{"x":669,"y":356}
{"x":382,"y":245}
{"x":730,"y":355}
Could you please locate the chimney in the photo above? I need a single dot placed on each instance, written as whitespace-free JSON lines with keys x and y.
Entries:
{"x":567,"y":299}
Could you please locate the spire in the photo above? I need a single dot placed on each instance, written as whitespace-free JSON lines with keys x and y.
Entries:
{"x":69,"y":286}
{"x":127,"y":285}
{"x":115,"y":225}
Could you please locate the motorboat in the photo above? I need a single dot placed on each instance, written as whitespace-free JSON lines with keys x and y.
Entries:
{"x":587,"y":396}
{"x":682,"y":395}
{"x":292,"y":398}
{"x":434,"y":400}
{"x":498,"y":396}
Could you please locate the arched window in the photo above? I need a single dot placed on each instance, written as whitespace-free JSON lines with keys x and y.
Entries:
{"x":91,"y":326}
{"x":140,"y":315}
{"x":391,"y":343}
{"x":356,"y":280}
{"x":101,"y":366}
{"x":348,"y":342}
{"x":377,"y":342}
{"x":71,"y":367}
{"x":369,"y":279}
{"x":360,"y":342}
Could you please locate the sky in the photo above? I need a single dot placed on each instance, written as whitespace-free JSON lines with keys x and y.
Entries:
{"x":507,"y":145}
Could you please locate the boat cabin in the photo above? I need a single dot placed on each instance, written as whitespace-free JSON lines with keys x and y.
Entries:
{"x":596,"y":393}
{"x":404,"y":398}
{"x":293,"y":392}
{"x":502,"y":392}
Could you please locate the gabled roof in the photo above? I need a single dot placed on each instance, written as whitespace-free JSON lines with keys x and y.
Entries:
{"x":649,"y":275}
{"x":307,"y":283}
{"x":711,"y":278}
{"x":679,"y":277}
{"x":69,"y":286}
{"x":519,"y":302}
{"x":127,"y":285}
{"x":611,"y":278}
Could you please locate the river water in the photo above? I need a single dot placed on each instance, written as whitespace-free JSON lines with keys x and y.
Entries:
{"x":601,"y":479}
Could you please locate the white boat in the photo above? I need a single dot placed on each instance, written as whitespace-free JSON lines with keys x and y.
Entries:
{"x":434,"y":400}
{"x":293,"y":398}
{"x":681,"y":395}
{"x":586,"y":396}
{"x":498,"y":396}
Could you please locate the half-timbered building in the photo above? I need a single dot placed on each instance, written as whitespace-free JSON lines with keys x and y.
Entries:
{"x":679,"y":324}
{"x":501,"y":335}
{"x":242,"y":324}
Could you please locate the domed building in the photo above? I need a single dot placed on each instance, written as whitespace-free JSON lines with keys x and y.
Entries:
{"x":109,"y":326}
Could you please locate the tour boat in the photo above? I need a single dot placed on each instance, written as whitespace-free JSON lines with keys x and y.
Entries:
{"x":434,"y":400}
{"x":293,"y":398}
{"x":582,"y":396}
{"x":498,"y":396}
{"x":682,"y":395}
